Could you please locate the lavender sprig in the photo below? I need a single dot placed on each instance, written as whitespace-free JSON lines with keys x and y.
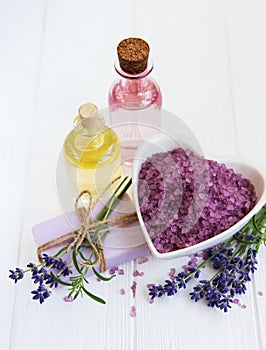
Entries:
{"x":234,"y":262}
{"x":53,"y":270}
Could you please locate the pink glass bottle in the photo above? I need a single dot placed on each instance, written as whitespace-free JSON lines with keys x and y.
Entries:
{"x":135,"y":98}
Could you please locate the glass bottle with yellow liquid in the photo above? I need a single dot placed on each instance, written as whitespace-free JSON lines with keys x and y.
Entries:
{"x":92,"y":152}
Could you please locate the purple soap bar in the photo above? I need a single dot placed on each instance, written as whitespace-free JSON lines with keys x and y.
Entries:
{"x":121,"y":244}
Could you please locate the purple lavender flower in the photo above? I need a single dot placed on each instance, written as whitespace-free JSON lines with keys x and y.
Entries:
{"x":41,"y":293}
{"x":48,"y":260}
{"x":156,"y":291}
{"x":51,"y":282}
{"x":42,"y":275}
{"x":16,"y":275}
{"x":58,"y":264}
{"x":170,"y":287}
{"x":181,"y":280}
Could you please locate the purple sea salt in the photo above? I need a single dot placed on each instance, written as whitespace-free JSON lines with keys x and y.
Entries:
{"x":172,"y":273}
{"x":185,"y":199}
{"x":133,"y":311}
{"x":122,"y":291}
{"x":68,"y":299}
{"x":143,"y":260}
{"x":193,"y":262}
{"x":136,"y":273}
{"x":113,"y":270}
{"x":133,"y":288}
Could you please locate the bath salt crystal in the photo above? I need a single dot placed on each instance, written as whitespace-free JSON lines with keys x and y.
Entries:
{"x":136,"y":273}
{"x":113,"y":270}
{"x":143,"y":260}
{"x":133,"y":288}
{"x":122,"y":291}
{"x":68,"y":299}
{"x":172,"y":273}
{"x":133,"y":311}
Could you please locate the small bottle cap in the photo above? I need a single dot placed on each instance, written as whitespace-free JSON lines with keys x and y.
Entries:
{"x":87,"y":110}
{"x":89,"y":118}
{"x":133,"y":55}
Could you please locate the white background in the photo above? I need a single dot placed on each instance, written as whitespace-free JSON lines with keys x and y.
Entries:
{"x":210,"y":61}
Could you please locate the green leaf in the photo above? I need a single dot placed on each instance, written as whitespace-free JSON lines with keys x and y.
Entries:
{"x":60,"y":281}
{"x":60,"y":252}
{"x":120,"y":190}
{"x":76,"y":295}
{"x":75,"y":262}
{"x":101,"y":277}
{"x":92,"y":296}
{"x":81,"y":254}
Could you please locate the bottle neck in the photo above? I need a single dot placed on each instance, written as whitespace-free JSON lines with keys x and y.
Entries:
{"x":89,"y":127}
{"x":138,"y":76}
{"x":134,"y":92}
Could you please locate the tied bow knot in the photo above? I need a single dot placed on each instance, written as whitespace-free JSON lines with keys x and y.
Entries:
{"x":90,"y":231}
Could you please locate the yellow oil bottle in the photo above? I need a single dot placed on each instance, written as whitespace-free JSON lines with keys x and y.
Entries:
{"x":92,"y":152}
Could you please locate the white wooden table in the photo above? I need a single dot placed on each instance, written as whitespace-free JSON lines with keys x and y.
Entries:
{"x":210,"y":61}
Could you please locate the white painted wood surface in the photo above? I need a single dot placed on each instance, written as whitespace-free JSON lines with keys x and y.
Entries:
{"x":210,"y":61}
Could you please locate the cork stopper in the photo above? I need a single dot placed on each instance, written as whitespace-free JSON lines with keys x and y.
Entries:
{"x":133,"y":55}
{"x":89,"y":118}
{"x":87,"y":110}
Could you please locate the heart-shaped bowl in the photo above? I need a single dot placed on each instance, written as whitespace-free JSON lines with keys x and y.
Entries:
{"x":162,"y":143}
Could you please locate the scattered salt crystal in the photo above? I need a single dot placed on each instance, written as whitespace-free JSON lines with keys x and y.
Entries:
{"x":136,"y":273}
{"x":121,"y":272}
{"x":143,"y":260}
{"x":243,"y":306}
{"x":122,"y":291}
{"x":236,"y":301}
{"x":172,"y":273}
{"x":260,"y":293}
{"x":98,"y":279}
{"x":133,"y":311}
{"x":68,"y":299}
{"x":185,"y":268}
{"x":133,"y":288}
{"x":113,"y":270}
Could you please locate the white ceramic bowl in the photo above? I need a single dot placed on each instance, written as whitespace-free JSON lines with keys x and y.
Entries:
{"x":255,"y":173}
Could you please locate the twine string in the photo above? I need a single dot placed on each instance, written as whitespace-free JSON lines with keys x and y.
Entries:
{"x":89,"y":230}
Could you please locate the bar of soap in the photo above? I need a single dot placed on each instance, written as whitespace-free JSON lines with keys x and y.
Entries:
{"x":121,"y":244}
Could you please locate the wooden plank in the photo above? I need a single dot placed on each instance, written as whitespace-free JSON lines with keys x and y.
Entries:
{"x":246,"y":39}
{"x":21,"y":28}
